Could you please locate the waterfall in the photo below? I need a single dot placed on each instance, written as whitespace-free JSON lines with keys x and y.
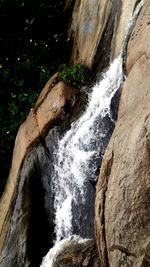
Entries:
{"x":76,"y":159}
{"x":78,"y":152}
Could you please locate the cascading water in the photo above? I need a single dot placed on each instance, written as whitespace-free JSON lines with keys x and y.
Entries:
{"x":77,"y":153}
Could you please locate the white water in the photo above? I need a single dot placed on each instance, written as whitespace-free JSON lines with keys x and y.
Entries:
{"x":78,"y":151}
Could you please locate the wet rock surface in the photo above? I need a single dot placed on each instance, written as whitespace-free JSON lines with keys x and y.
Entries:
{"x":73,"y":253}
{"x":78,"y":256}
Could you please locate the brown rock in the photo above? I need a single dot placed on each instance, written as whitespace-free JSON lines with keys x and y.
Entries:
{"x":49,"y":107}
{"x":78,"y":255}
{"x":123,"y":190}
{"x":73,"y":253}
{"x":47,"y":88}
{"x":53,"y":105}
{"x":124,"y":13}
{"x":88,"y":23}
{"x":139,"y":39}
{"x":98,"y":29}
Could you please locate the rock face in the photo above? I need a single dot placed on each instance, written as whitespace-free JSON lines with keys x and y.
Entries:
{"x":122,"y":19}
{"x":98,"y":28}
{"x":88,"y":23}
{"x":49,"y":107}
{"x":73,"y":252}
{"x":84,"y":255}
{"x":123,"y":191}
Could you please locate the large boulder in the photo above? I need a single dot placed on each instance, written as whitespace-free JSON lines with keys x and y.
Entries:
{"x":72,"y":252}
{"x":49,"y":108}
{"x":123,"y":190}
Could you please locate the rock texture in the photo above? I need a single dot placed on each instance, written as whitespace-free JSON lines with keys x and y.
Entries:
{"x":122,"y":20}
{"x":98,"y":30}
{"x":83,"y":255}
{"x":88,"y":23}
{"x":49,"y":107}
{"x":123,"y":191}
{"x":73,"y":253}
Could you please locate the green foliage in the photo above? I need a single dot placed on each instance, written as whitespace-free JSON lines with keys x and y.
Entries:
{"x":76,"y":75}
{"x":15,"y":103}
{"x":44,"y":74}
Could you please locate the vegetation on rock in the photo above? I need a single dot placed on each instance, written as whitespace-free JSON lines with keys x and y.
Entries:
{"x":75,"y":75}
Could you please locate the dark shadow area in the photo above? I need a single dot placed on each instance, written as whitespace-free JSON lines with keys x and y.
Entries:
{"x":39,"y":241}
